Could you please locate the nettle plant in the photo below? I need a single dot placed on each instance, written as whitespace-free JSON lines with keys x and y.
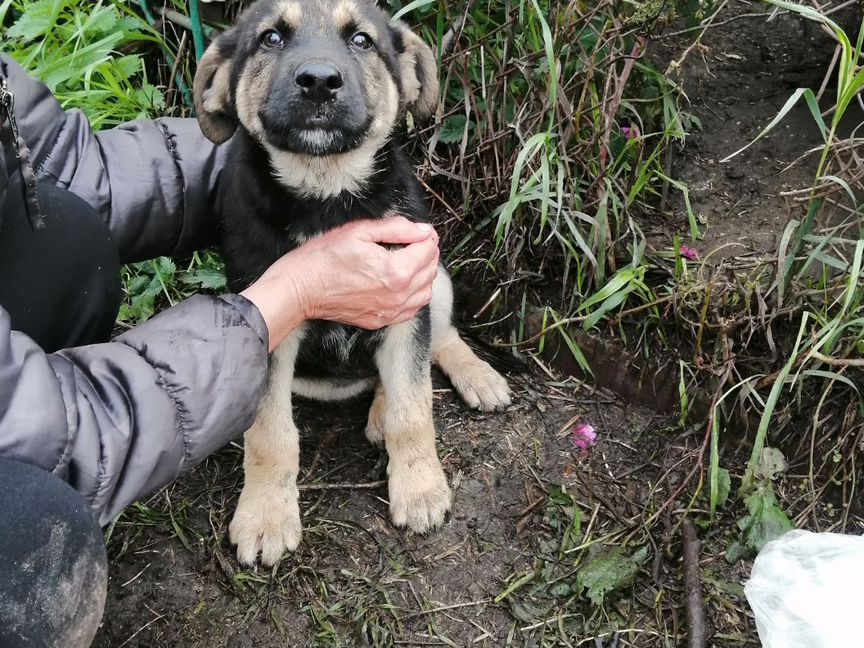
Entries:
{"x":82,"y":52}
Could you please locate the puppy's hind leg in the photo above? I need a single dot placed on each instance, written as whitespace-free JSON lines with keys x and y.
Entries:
{"x":375,"y":421}
{"x":267,"y":519}
{"x":419,"y":494}
{"x":479,"y":385}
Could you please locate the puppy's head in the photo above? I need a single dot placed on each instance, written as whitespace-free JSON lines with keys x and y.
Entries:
{"x":314,"y":77}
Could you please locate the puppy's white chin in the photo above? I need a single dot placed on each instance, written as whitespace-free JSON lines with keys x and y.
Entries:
{"x":329,"y":175}
{"x":317,"y":139}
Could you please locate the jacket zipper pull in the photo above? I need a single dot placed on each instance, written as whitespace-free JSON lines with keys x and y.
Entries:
{"x":22,"y":154}
{"x":7,"y":103}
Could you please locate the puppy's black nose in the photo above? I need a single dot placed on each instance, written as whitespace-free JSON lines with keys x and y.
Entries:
{"x":318,"y":81}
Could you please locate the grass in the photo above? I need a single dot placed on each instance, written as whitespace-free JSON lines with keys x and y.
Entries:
{"x":828,"y":286}
{"x":564,"y":146}
{"x":74,"y":48}
{"x":567,"y":183}
{"x":566,"y":203}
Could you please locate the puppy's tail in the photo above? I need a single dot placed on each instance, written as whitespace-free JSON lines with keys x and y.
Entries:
{"x":503,"y":359}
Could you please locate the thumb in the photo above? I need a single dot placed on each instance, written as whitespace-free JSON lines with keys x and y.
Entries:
{"x":396,"y":229}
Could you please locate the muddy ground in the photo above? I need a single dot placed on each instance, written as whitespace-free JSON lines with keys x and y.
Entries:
{"x":737,"y":80}
{"x":358,"y":581}
{"x":353,"y":568}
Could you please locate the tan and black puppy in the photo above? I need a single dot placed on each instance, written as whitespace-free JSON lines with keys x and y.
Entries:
{"x":311,"y":92}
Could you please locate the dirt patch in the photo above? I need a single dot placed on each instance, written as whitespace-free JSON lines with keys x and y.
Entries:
{"x":737,"y":81}
{"x":355,"y":579}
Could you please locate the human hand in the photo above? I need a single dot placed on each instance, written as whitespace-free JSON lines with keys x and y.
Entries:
{"x":346,"y":275}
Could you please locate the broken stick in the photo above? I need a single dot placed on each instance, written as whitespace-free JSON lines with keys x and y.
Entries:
{"x":698,"y":633}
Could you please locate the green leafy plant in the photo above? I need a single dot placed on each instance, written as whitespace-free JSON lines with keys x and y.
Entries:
{"x":765,"y":520}
{"x":157,"y":284}
{"x":609,"y":572}
{"x":614,"y":294}
{"x":75,"y":48}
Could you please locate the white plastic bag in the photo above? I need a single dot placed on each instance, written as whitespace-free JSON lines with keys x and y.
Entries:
{"x":806,"y":591}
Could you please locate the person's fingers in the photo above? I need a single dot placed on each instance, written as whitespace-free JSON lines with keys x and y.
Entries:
{"x":404,"y":316}
{"x":422,"y":280}
{"x":418,"y":295}
{"x":395,"y":230}
{"x":417,"y":301}
{"x":417,"y":255}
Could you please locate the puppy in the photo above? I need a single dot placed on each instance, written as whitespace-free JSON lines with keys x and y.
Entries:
{"x":311,"y":92}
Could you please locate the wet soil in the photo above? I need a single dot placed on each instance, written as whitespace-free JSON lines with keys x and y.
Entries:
{"x":737,"y":80}
{"x":175,"y":581}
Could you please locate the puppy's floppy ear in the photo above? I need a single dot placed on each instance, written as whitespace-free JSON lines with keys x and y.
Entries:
{"x":212,"y":92}
{"x":418,"y":71}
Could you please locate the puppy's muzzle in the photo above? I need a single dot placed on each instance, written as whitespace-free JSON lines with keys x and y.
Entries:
{"x":319,"y":82}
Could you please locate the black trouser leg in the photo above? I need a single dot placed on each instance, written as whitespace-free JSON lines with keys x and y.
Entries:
{"x":61,"y":284}
{"x":53,"y":569}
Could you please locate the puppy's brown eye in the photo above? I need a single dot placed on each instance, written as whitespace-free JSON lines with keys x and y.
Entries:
{"x":272,"y":39}
{"x":361,"y":40}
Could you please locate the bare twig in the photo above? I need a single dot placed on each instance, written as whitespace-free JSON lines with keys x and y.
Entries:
{"x":706,"y":25}
{"x":343,"y":486}
{"x":711,"y":23}
{"x":175,"y":69}
{"x":837,"y":362}
{"x":848,"y":3}
{"x":642,"y":307}
{"x":144,"y":627}
{"x":443,"y":608}
{"x":698,"y":634}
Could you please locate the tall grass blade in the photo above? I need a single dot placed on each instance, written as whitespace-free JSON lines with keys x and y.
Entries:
{"x":807,"y":93}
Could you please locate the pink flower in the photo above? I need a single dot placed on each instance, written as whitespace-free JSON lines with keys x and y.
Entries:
{"x":689,"y":253}
{"x":630,"y":132}
{"x":584,"y":436}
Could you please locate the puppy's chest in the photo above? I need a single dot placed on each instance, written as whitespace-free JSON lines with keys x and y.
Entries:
{"x":335,"y":350}
{"x":261,"y":221}
{"x":261,"y":224}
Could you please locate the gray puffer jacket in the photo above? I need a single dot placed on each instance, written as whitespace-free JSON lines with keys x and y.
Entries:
{"x":121,"y":419}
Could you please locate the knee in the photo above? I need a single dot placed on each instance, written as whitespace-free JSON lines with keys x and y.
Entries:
{"x":53,"y":578}
{"x":61,"y":284}
{"x":92,"y":251}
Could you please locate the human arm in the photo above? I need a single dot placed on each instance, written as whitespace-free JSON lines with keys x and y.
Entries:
{"x":152,"y":181}
{"x":122,"y":419}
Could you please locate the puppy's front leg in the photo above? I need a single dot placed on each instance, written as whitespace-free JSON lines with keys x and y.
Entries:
{"x":419,"y":494}
{"x":267,"y":519}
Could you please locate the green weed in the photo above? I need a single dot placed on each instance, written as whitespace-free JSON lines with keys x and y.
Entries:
{"x":75,"y":48}
{"x":154,"y":285}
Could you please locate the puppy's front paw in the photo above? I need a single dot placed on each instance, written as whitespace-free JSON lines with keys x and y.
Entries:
{"x":419,"y":494}
{"x":480,"y":386}
{"x":267,"y":521}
